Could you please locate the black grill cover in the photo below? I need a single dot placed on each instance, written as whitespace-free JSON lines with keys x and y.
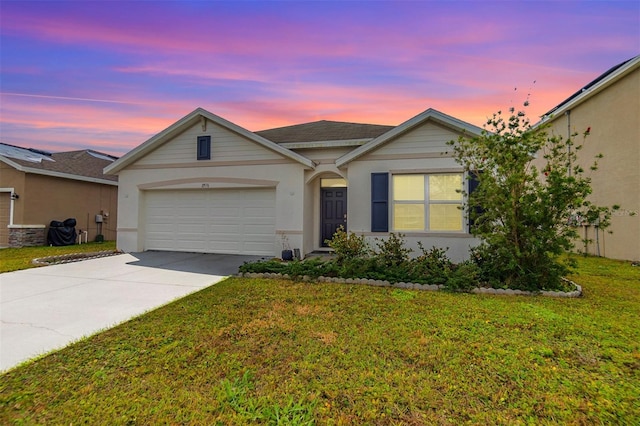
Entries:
{"x":62,"y":233}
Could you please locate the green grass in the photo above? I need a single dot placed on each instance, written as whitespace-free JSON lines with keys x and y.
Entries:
{"x":15,"y":259}
{"x":279,"y":352}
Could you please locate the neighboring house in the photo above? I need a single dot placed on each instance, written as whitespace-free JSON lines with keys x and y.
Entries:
{"x":205,"y":184}
{"x":37,"y":187}
{"x":610,"y":107}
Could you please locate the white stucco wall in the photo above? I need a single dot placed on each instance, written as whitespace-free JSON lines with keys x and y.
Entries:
{"x":248,"y":165}
{"x":238,"y":162}
{"x":287,"y":179}
{"x":428,"y":145}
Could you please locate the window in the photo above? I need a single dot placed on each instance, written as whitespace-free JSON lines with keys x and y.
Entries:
{"x":427,"y":202}
{"x":204,"y":148}
{"x":333,"y":183}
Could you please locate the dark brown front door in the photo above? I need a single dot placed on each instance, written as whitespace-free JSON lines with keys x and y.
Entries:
{"x":334,"y":212}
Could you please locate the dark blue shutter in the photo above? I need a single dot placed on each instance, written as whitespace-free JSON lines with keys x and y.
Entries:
{"x":379,"y":202}
{"x":474,"y":182}
{"x":204,"y":148}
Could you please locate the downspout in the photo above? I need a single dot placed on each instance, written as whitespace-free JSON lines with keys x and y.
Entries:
{"x":568,"y":114}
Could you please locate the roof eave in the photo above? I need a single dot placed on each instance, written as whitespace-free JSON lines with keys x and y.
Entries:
{"x":325,"y":144}
{"x":609,"y":80}
{"x":52,"y":173}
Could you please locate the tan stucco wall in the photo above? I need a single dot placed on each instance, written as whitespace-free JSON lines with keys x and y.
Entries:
{"x":614,"y":118}
{"x":9,"y":178}
{"x":5,"y":208}
{"x":45,"y":198}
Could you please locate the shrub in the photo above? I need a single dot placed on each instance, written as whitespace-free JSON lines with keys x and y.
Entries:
{"x":313,"y":267}
{"x":463,"y":277}
{"x":391,"y":251}
{"x":261,"y":267}
{"x":431,"y":267}
{"x":359,"y":267}
{"x":524,"y":215}
{"x":348,"y":245}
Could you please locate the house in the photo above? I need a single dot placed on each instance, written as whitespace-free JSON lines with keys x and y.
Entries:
{"x":37,"y":187}
{"x":610,"y":107}
{"x":205,"y":184}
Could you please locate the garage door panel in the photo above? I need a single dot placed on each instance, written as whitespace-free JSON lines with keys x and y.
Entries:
{"x":225,"y":221}
{"x":259,"y":229}
{"x":258,"y":212}
{"x":225,"y":247}
{"x":225,"y":228}
{"x":191,"y":228}
{"x":218,"y":221}
{"x":219,"y":211}
{"x":193,"y":210}
{"x":163,"y":244}
{"x":188,"y":245}
{"x":259,"y":222}
{"x":158,"y":229}
{"x":161,"y":219}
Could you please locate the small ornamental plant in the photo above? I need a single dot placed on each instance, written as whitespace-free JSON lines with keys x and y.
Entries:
{"x":348,"y":245}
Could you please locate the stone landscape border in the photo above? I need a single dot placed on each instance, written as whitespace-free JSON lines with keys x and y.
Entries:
{"x":426,"y":287}
{"x":73,"y":257}
{"x":77,"y":257}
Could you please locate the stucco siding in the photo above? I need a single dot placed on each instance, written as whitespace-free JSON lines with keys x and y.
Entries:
{"x":5,"y":203}
{"x":427,"y":138}
{"x":359,"y":201}
{"x":323,"y":154}
{"x":287,"y":179}
{"x":12,"y":178}
{"x":225,"y":146}
{"x":49,"y":198}
{"x":612,"y":116}
{"x":45,"y":198}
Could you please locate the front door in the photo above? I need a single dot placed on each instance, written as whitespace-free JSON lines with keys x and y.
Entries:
{"x":334,"y":212}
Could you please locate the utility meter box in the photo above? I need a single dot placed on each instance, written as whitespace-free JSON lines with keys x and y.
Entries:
{"x":99,"y":218}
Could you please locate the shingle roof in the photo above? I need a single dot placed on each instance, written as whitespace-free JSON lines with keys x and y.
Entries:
{"x":84,"y":163}
{"x":324,"y":130}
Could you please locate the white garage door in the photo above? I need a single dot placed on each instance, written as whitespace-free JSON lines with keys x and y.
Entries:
{"x":237,"y":221}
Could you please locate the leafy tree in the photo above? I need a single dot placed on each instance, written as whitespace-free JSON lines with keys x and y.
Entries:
{"x":526,"y":217}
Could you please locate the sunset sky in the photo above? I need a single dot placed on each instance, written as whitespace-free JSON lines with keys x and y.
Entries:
{"x":108,"y":75}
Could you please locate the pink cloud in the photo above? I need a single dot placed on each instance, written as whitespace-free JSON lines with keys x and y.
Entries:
{"x":263,"y":66}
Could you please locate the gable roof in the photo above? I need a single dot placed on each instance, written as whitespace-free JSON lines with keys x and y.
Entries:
{"x":430,"y":114}
{"x":324,"y":130}
{"x":188,"y":121}
{"x":601,"y":82}
{"x":85,"y":165}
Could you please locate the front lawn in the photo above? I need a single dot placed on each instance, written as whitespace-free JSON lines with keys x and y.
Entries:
{"x":282,"y":352}
{"x":14,"y":259}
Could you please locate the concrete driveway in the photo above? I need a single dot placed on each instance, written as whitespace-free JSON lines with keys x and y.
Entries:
{"x":44,"y":309}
